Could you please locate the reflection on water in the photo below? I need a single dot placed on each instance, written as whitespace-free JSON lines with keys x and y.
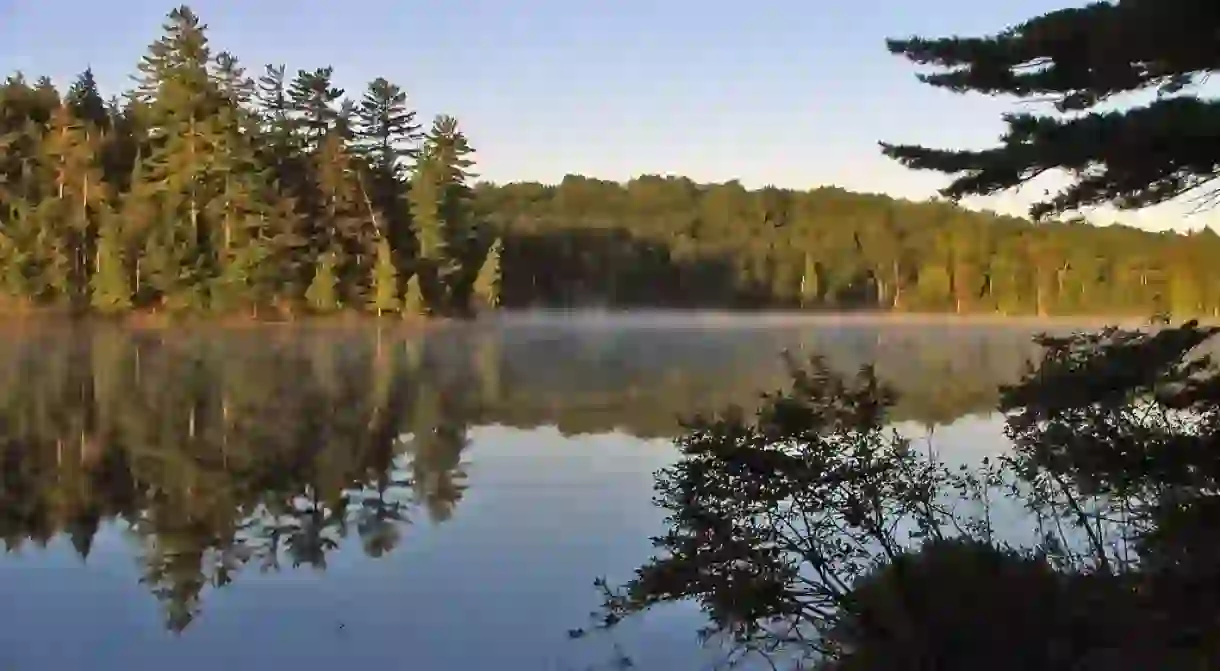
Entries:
{"x":318,"y":496}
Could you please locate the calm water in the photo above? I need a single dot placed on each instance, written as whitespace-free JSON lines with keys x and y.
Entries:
{"x":309,"y":498}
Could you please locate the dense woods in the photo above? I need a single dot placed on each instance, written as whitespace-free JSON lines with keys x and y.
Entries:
{"x":208,"y":189}
{"x":669,"y":241}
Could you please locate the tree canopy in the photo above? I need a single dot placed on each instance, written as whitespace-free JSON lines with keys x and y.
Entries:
{"x":205,"y":190}
{"x":213,"y":188}
{"x":814,"y":535}
{"x":1131,"y":123}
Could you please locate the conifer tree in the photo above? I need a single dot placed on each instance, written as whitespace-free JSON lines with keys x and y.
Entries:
{"x":278,"y":136}
{"x":454,"y":158}
{"x":413,"y":304}
{"x":441,"y":211}
{"x":72,"y":160}
{"x":386,"y":132}
{"x":1082,"y":59}
{"x":322,"y":294}
{"x":187,"y":131}
{"x":431,"y":232}
{"x":386,"y":137}
{"x":344,"y":221}
{"x":384,"y":293}
{"x":110,"y":288}
{"x":242,"y":191}
{"x":312,"y":99}
{"x":487,"y":283}
{"x":86,"y":103}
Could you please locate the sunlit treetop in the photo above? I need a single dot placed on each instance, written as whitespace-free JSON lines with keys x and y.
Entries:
{"x":1129,"y":155}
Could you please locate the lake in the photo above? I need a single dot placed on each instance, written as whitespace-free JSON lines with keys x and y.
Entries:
{"x":310,"y":497}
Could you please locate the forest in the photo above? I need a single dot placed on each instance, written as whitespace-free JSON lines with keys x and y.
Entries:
{"x":206,"y":189}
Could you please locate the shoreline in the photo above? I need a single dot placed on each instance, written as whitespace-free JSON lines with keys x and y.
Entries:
{"x":160,"y":321}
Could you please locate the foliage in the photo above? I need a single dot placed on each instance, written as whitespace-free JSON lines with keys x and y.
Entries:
{"x":1082,"y":59}
{"x":228,"y":189}
{"x":811,"y":534}
{"x":322,"y":293}
{"x":413,"y":299}
{"x":771,"y":521}
{"x":385,"y":281}
{"x":487,"y":282}
{"x":210,"y":169}
{"x":666,"y":241}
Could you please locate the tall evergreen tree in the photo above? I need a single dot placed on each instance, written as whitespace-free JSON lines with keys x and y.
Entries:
{"x":72,"y":151}
{"x":441,"y":209}
{"x":243,"y":190}
{"x":279,"y":145}
{"x":187,"y":132}
{"x":86,"y":103}
{"x":387,"y":134}
{"x":312,"y":99}
{"x":431,"y":230}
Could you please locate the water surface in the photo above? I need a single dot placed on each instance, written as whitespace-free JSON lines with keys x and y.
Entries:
{"x":309,"y":497}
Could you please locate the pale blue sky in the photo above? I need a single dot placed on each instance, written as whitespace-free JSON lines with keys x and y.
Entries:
{"x":794,"y":93}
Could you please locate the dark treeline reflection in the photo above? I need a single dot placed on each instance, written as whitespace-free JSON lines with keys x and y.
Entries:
{"x":265,"y":449}
{"x":220,"y":455}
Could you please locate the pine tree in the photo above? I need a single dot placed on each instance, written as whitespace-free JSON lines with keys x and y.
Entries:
{"x":387,"y":136}
{"x":72,"y":156}
{"x":344,"y":222}
{"x":441,"y":211}
{"x":237,"y":89}
{"x":384,"y":292}
{"x":85,"y":102}
{"x":487,"y":283}
{"x":110,"y":289}
{"x":279,"y":276}
{"x":1084,"y":59}
{"x":386,"y":131}
{"x":413,"y":304}
{"x":431,"y":234}
{"x":453,"y":156}
{"x":278,"y":137}
{"x":322,"y":294}
{"x":239,"y":207}
{"x":187,"y":130}
{"x":425,"y":197}
{"x":312,"y":99}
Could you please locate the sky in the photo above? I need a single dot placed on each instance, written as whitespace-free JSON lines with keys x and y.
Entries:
{"x":793,"y":93}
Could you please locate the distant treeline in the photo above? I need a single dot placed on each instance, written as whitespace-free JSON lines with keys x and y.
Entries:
{"x":668,"y":241}
{"x":204,"y":189}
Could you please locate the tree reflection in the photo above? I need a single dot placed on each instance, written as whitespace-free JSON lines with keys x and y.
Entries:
{"x":216,"y":454}
{"x":220,"y":452}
